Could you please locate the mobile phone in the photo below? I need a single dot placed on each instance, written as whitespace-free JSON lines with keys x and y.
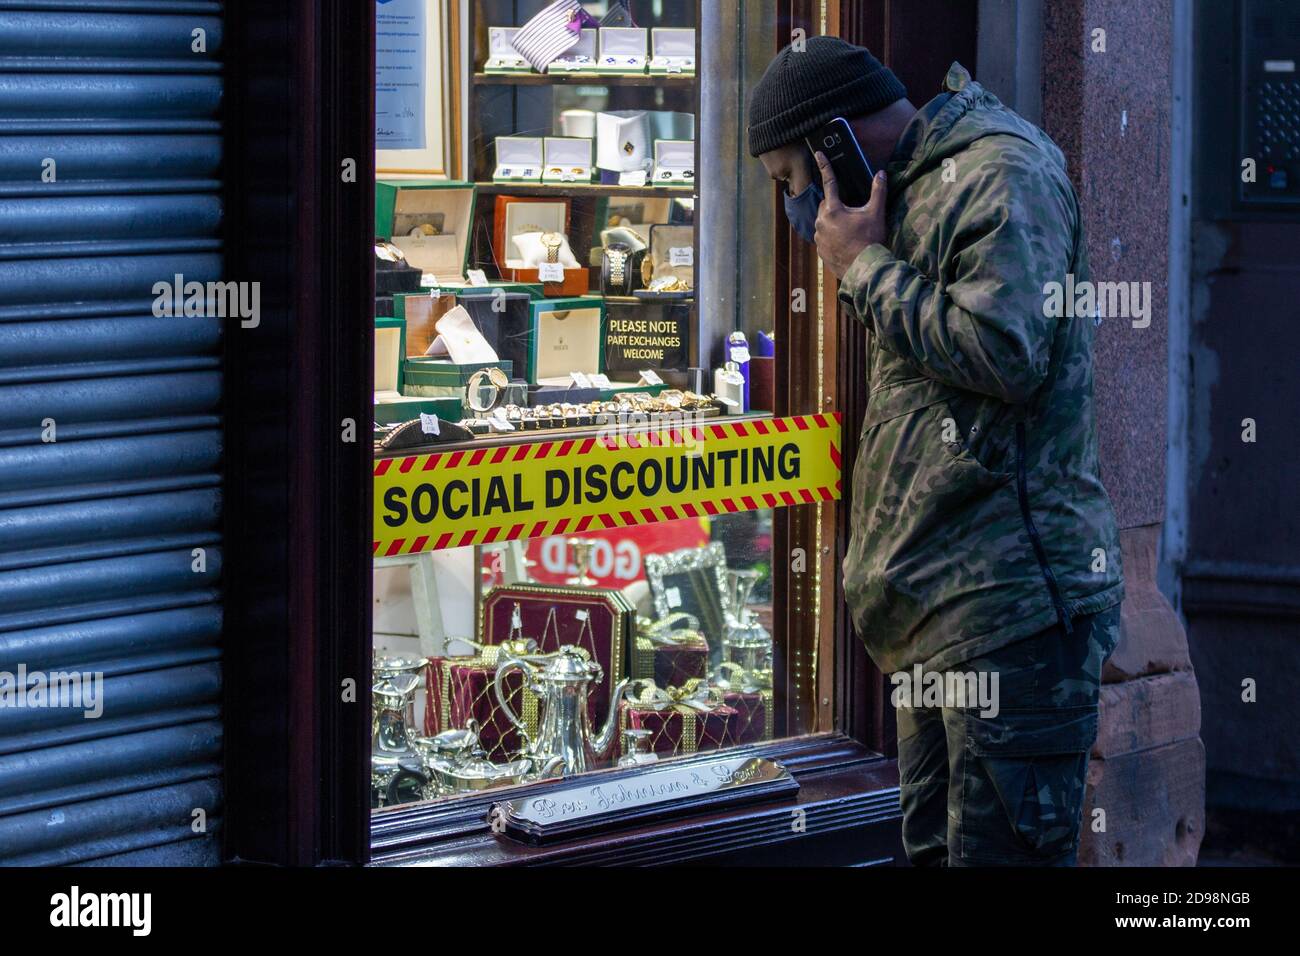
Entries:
{"x":852,"y":171}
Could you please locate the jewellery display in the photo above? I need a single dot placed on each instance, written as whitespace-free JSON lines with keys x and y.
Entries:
{"x":672,"y":50}
{"x":578,"y":58}
{"x":388,"y":252}
{"x":502,"y":55}
{"x":568,"y":159}
{"x":519,"y":159}
{"x":674,"y":162}
{"x":552,"y":242}
{"x":623,"y":49}
{"x":492,"y":379}
{"x":668,"y":269}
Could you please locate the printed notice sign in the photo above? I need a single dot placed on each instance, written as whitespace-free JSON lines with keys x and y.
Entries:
{"x":400,"y":81}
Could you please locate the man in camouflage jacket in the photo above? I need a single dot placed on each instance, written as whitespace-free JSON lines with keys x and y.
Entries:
{"x":984,"y":546}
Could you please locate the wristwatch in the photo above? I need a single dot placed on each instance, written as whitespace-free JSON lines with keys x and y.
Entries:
{"x":492,"y":378}
{"x":617,"y":253}
{"x":552,"y":241}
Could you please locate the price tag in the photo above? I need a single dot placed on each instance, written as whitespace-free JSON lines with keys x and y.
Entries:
{"x":429,"y":424}
{"x":674,"y":597}
{"x":600,"y":381}
{"x":434,"y":292}
{"x":581,"y":380}
{"x":551,"y":272}
{"x":740,"y":355}
{"x":681,"y":256}
{"x":580,"y":614}
{"x":477,"y":277}
{"x":635,"y":177}
{"x":651,"y":377}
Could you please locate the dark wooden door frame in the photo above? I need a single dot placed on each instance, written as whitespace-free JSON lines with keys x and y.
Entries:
{"x":299,"y":212}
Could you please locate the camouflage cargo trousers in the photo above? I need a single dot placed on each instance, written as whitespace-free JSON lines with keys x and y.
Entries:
{"x":1006,"y":789}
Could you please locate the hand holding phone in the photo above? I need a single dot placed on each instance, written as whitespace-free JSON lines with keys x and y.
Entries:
{"x":852,"y":171}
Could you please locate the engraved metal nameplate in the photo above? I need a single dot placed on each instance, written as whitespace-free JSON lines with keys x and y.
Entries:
{"x":567,"y":813}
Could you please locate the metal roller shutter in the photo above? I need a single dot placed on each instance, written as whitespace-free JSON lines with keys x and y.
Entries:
{"x":99,"y":527}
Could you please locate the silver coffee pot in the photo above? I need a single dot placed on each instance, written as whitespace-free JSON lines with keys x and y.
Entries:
{"x":562,"y":680}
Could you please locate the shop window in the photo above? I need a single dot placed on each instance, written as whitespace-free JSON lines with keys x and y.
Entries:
{"x":585,"y":466}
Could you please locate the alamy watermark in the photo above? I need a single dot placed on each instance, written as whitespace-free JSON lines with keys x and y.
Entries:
{"x":1098,"y":300}
{"x":971,"y":690}
{"x":71,"y":690}
{"x":222,"y":300}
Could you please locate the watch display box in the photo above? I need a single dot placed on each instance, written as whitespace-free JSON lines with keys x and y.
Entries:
{"x":439,"y":378}
{"x":391,"y":405}
{"x":429,"y":220}
{"x":566,"y":336}
{"x":502,"y":55}
{"x":672,"y":50}
{"x":623,"y":50}
{"x":580,"y":58}
{"x":520,"y":159}
{"x":516,"y":216}
{"x":674,"y":163}
{"x":568,"y":160}
{"x":420,"y":311}
{"x":505,"y":319}
{"x":671,"y":257}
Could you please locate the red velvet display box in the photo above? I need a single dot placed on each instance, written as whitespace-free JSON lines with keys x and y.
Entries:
{"x":461,"y":688}
{"x":755,"y":715}
{"x":670,"y":665}
{"x":606,"y":640}
{"x":682,"y":730}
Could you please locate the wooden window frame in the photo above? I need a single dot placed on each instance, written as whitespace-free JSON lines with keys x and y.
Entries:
{"x":298,"y":506}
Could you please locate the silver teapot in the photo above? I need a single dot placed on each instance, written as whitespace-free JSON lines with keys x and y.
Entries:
{"x":562,"y":681}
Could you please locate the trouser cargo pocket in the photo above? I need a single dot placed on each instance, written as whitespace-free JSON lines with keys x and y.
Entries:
{"x":1022,"y":796}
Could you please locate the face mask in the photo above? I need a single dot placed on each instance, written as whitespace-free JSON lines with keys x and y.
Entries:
{"x":801,"y":210}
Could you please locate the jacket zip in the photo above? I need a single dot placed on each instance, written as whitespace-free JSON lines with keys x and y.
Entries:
{"x":1022,"y":492}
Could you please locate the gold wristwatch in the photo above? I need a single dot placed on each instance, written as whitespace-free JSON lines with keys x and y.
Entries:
{"x":552,"y":241}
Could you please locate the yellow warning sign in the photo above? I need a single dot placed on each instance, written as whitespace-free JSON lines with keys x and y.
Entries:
{"x":618,"y":478}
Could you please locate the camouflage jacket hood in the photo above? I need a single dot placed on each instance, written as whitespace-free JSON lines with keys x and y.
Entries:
{"x":978,"y":511}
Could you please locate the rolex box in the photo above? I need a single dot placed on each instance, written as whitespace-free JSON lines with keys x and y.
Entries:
{"x":580,"y":58}
{"x":391,"y":406}
{"x":440,"y":378}
{"x":623,"y":50}
{"x":567,"y":336}
{"x":672,"y":50}
{"x":502,"y":56}
{"x":568,"y":159}
{"x":519,"y":159}
{"x":429,"y":220}
{"x":515,"y":216}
